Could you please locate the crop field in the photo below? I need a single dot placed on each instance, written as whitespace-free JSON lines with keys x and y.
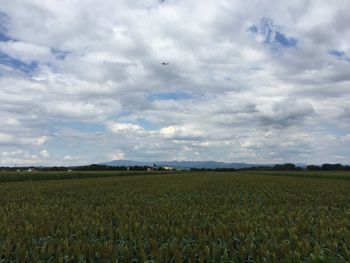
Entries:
{"x":342,"y":175}
{"x":43,"y":176}
{"x":182,"y":217}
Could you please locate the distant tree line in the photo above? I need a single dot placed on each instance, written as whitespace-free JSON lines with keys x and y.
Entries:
{"x":328,"y":167}
{"x":277,"y":167}
{"x":213,"y":169}
{"x":292,"y":166}
{"x":283,"y":167}
{"x":83,"y":168}
{"x":92,"y":167}
{"x":98,"y":167}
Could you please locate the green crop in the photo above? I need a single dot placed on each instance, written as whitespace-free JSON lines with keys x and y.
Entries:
{"x":43,"y":176}
{"x":191,"y":217}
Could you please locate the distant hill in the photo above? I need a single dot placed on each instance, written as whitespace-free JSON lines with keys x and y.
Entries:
{"x":184,"y":164}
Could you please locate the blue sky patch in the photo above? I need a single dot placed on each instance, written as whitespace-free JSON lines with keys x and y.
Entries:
{"x":266,"y":26}
{"x":284,"y":41}
{"x":4,"y":37}
{"x":3,"y":21}
{"x":18,"y":64}
{"x":335,"y":131}
{"x":85,"y":126}
{"x":337,"y":53}
{"x":59,"y":54}
{"x":341,"y":55}
{"x":81,"y":126}
{"x":272,"y":34}
{"x":253,"y":29}
{"x":123,"y":113}
{"x":147,"y":125}
{"x":176,"y":95}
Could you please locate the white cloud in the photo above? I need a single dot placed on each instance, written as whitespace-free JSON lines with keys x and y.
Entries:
{"x":44,"y":154}
{"x":39,"y":140}
{"x":26,"y":52}
{"x":124,"y":127}
{"x":178,"y":132}
{"x":11,"y":122}
{"x":117,"y":155}
{"x":6,"y":138}
{"x":89,"y":92}
{"x":81,"y":109}
{"x":12,"y":153}
{"x":71,"y":158}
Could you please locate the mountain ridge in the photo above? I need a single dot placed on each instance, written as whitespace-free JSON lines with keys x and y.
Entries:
{"x":184,"y":164}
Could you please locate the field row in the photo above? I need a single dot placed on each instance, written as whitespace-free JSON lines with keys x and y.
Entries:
{"x":62,"y":175}
{"x":24,"y":176}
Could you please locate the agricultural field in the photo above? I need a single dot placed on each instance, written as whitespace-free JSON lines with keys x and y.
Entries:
{"x":43,"y":176}
{"x":182,"y":217}
{"x":342,"y":175}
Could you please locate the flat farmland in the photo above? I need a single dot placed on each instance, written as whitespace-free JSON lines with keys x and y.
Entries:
{"x":181,"y":217}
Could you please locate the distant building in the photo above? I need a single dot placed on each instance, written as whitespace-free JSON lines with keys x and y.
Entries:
{"x":168,"y":168}
{"x":30,"y":170}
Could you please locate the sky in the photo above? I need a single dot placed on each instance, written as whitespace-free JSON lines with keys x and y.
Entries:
{"x":247,"y":81}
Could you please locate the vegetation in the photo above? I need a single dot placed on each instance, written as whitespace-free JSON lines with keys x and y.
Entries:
{"x":335,"y":175}
{"x":293,"y":167}
{"x":192,"y":217}
{"x":43,"y":176}
{"x":102,"y":167}
{"x":328,"y":167}
{"x":92,"y":167}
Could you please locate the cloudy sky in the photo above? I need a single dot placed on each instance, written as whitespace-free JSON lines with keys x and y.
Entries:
{"x":254,"y":81}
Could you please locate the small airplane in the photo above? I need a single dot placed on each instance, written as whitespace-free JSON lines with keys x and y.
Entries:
{"x":165,"y":63}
